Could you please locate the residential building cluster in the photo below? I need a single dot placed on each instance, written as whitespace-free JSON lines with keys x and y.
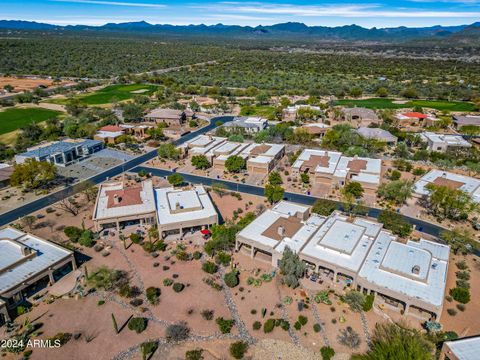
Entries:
{"x":409,"y":277}
{"x":260,"y":158}
{"x":332,"y":169}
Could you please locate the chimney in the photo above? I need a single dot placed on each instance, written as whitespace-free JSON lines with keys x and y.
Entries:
{"x":177,"y":206}
{"x":116,"y":199}
{"x":281,"y":231}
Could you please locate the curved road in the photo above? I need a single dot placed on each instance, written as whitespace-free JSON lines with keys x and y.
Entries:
{"x":134,"y":165}
{"x":420,"y":225}
{"x":38,"y":204}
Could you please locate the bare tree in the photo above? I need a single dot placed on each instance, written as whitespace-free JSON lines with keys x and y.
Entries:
{"x":88,"y":189}
{"x":29,"y":221}
{"x":69,"y":206}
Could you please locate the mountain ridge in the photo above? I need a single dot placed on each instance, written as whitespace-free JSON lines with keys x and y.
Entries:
{"x":281,"y":30}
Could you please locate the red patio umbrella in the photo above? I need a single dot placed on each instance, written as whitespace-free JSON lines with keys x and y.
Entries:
{"x":205,"y":232}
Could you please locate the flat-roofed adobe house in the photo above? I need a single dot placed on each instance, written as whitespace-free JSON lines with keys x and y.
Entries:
{"x":262,"y":158}
{"x":357,"y":252}
{"x":118,"y":206}
{"x":28,"y":264}
{"x":359,"y":116}
{"x":109,"y":133}
{"x":466,"y":120}
{"x":201,"y":145}
{"x":444,"y":142}
{"x":183,"y":210}
{"x":378,"y":134}
{"x":249,"y":125}
{"x":317,"y":130}
{"x":290,"y":112}
{"x":221,"y":153}
{"x":454,"y":181}
{"x":467,"y":348}
{"x":171,"y":117}
{"x":331,"y":169}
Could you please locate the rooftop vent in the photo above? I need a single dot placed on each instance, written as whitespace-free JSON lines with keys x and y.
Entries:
{"x":416,"y":270}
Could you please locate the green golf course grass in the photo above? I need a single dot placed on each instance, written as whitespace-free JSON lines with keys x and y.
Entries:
{"x":114,"y":93}
{"x":15,"y":118}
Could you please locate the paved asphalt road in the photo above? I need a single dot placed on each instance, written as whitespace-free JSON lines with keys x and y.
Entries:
{"x":35,"y":205}
{"x":421,"y":225}
{"x":134,"y":165}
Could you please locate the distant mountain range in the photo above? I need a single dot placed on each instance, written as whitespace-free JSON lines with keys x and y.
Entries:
{"x":288,"y":30}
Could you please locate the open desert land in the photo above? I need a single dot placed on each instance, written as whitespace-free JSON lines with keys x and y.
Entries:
{"x":260,"y":297}
{"x":28,"y":84}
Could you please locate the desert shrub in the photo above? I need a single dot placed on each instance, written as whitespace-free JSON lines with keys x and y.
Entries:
{"x":207,"y":314}
{"x":182,"y":255}
{"x":302,"y":320}
{"x":86,"y":239}
{"x":464,"y":284}
{"x":297,"y":325}
{"x":209,"y":267}
{"x":153,"y":295}
{"x":463,"y":275}
{"x":268,"y":326}
{"x":135,"y":238}
{"x":195,"y":354}
{"x":285,"y":325}
{"x":73,"y":233}
{"x":461,"y":307}
{"x":178,"y":287}
{"x":177,"y":332}
{"x":231,"y":279}
{"x":101,"y":302}
{"x":253,"y":311}
{"x":368,"y":304}
{"x":317,"y":327}
{"x":61,"y":337}
{"x":349,"y":338}
{"x":327,"y":352}
{"x":225,"y":325}
{"x":257,"y":325}
{"x":197,"y":255}
{"x":461,"y":295}
{"x":136,"y":302}
{"x":137,"y":324}
{"x":223,"y":258}
{"x":452,"y":312}
{"x":461,"y":265}
{"x":238,"y":349}
{"x":148,"y":347}
{"x":167,"y":282}
{"x":355,"y":300}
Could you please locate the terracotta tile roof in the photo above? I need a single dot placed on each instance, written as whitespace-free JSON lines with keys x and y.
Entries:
{"x":417,"y":115}
{"x":315,"y":160}
{"x":111,"y":128}
{"x":260,"y":149}
{"x":315,"y":130}
{"x":289,"y":226}
{"x":452,"y":184}
{"x":126,"y":197}
{"x":357,"y":165}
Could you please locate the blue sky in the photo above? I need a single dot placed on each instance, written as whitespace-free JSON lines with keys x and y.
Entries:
{"x":367,"y":13}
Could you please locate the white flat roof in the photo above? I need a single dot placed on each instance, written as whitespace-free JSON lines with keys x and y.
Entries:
{"x":196,"y":199}
{"x":390,"y":265}
{"x":105,"y":210}
{"x":254,"y":231}
{"x":202,"y":144}
{"x":449,"y":140}
{"x":290,"y":208}
{"x":47,"y":254}
{"x":371,"y":173}
{"x":334,"y":157}
{"x":347,"y":250}
{"x":470,"y":185}
{"x":465,"y":349}
{"x":260,"y":159}
{"x":107,"y":134}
